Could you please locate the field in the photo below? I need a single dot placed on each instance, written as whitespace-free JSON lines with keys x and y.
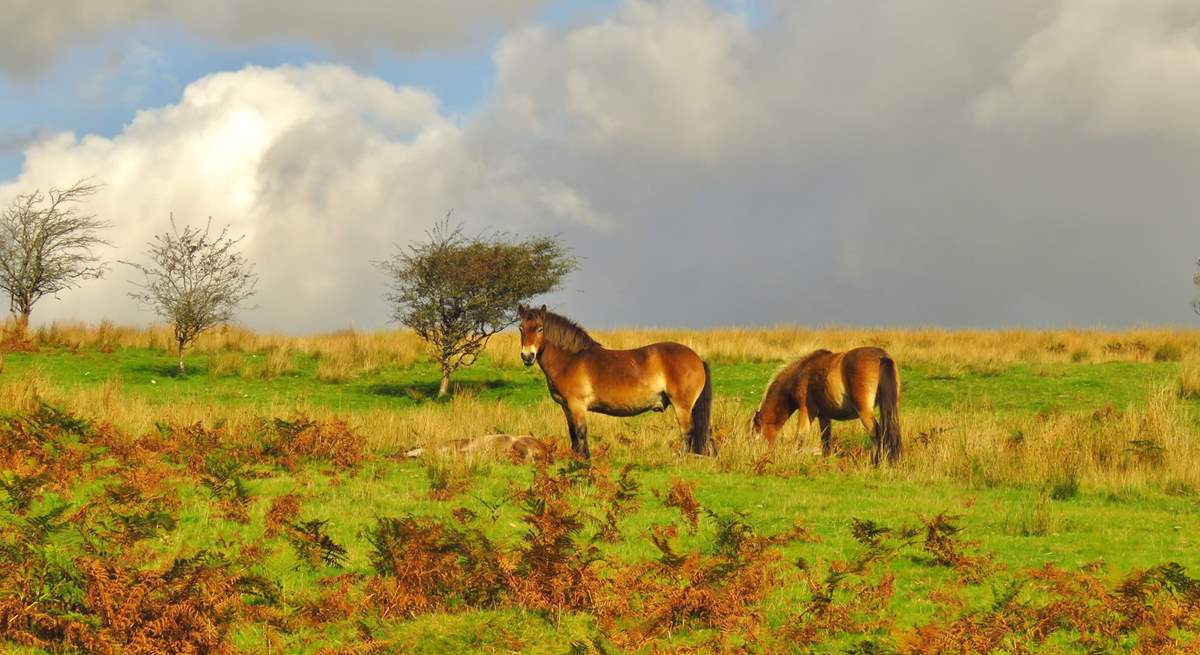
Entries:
{"x":1048,"y":501}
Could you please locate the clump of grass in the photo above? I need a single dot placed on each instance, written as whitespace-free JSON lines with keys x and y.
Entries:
{"x":335,"y":368}
{"x":279,"y":362}
{"x":1065,"y":487}
{"x":1178,"y":488}
{"x":447,"y":477}
{"x":986,"y":369}
{"x":1036,"y":519}
{"x":1146,"y":452}
{"x":224,"y":363}
{"x":1189,"y":380}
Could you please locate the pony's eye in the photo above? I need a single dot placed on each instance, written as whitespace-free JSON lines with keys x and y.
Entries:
{"x":539,"y":328}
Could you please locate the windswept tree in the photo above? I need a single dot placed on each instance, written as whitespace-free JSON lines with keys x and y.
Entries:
{"x":457,"y":291}
{"x":47,"y":245}
{"x":194,"y":280}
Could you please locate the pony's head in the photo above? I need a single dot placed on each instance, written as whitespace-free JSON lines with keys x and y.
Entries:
{"x":765,"y":424}
{"x":531,"y":322}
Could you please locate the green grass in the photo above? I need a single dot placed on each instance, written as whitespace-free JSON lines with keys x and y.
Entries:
{"x":1022,"y":527}
{"x":1127,"y":533}
{"x":152,"y":375}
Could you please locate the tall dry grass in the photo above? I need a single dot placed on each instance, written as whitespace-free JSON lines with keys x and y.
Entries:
{"x":1154,"y":445}
{"x":1150,"y":446}
{"x":363,"y":351}
{"x":927,"y":345}
{"x":1189,"y":380}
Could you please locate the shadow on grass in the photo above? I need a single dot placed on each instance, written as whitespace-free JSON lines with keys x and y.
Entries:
{"x":170,"y":370}
{"x":428,"y":390}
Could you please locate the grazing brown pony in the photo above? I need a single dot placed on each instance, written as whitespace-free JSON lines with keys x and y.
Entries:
{"x":832,"y":386}
{"x":584,"y":376}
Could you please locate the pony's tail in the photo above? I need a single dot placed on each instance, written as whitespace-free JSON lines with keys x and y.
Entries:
{"x":888,"y":396}
{"x":701,"y":416}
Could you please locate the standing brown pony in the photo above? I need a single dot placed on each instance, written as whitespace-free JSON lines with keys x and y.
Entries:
{"x":584,"y":376}
{"x":832,"y":386}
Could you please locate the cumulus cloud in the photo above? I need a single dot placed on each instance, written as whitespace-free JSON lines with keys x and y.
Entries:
{"x":320,"y":168}
{"x":904,"y":163}
{"x":1107,"y":67}
{"x":35,"y":32}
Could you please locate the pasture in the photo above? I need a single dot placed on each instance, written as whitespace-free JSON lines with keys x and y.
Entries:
{"x":1048,"y":499}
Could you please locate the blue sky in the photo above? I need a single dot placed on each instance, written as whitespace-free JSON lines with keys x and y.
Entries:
{"x":993,"y":164}
{"x":98,"y":88}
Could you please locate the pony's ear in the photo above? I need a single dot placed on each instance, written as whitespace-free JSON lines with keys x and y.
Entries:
{"x":543,"y":310}
{"x":521,"y":310}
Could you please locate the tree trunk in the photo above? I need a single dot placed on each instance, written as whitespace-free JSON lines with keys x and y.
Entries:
{"x":23,"y":322}
{"x":182,"y":370}
{"x":445,"y":386}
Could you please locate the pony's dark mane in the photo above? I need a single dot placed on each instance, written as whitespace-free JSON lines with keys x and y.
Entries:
{"x":788,"y":374}
{"x":565,"y":333}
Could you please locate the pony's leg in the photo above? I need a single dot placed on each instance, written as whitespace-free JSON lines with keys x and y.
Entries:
{"x":570,"y":427}
{"x":868,"y":420}
{"x":864,"y":401}
{"x":577,"y":417}
{"x":803,"y":426}
{"x":826,"y":436}
{"x":684,"y":415}
{"x":577,"y":426}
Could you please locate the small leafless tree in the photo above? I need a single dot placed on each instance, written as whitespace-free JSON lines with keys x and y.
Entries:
{"x":194,"y":280}
{"x":456,"y":291}
{"x":46,"y":246}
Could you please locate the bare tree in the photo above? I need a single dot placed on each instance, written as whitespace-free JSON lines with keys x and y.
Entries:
{"x":194,"y":280}
{"x":456,"y":292}
{"x":46,"y":246}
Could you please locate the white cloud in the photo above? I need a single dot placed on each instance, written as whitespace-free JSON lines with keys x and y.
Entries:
{"x":826,"y":162}
{"x":1107,"y":67}
{"x":663,"y":78}
{"x":321,"y":168}
{"x":35,"y":32}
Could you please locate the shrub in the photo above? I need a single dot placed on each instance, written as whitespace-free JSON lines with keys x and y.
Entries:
{"x":293,"y":442}
{"x":1168,"y":352}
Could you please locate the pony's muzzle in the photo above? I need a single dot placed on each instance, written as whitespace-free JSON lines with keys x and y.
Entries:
{"x":528,"y":358}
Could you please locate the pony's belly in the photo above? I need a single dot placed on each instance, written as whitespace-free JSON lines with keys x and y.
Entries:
{"x":630,"y":407}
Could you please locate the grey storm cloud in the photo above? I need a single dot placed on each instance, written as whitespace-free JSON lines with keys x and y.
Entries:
{"x":930,"y":162}
{"x":35,"y":33}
